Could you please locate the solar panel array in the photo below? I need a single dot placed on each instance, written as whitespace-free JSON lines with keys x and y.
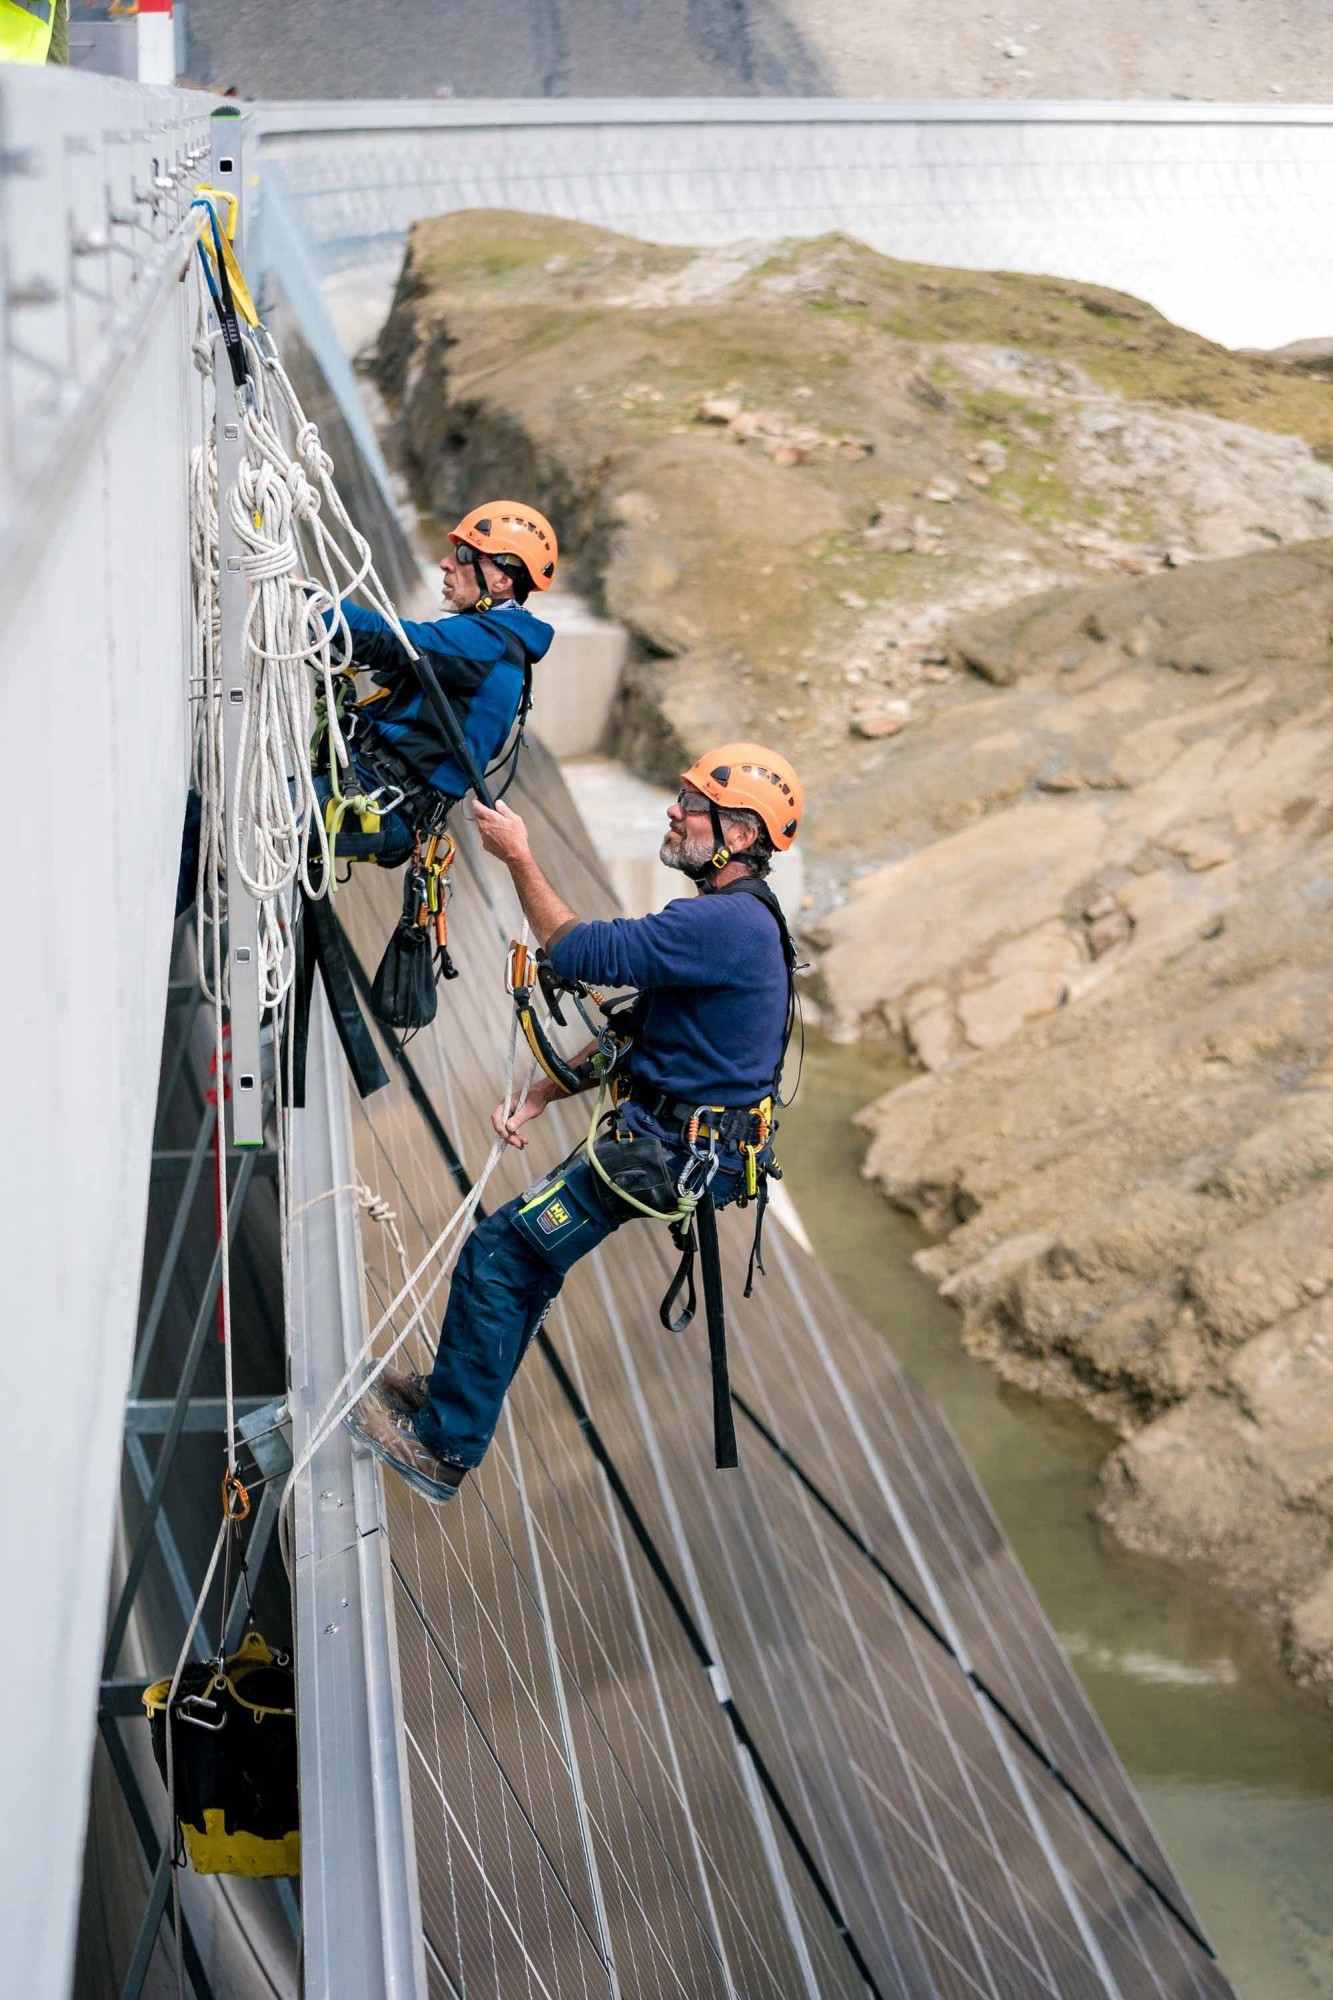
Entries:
{"x":797,"y":1729}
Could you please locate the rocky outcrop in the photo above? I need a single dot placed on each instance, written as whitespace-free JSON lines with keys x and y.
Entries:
{"x":1120,"y":979}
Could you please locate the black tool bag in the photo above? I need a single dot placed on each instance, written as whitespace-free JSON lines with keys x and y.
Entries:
{"x":233,"y":1744}
{"x":402,"y":994}
{"x":641,"y":1168}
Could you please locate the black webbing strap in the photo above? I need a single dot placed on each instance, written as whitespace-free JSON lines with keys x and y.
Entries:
{"x":715,"y":1310}
{"x":224,"y":306}
{"x":321,"y":945}
{"x":443,"y":710}
{"x":682,"y":1235}
{"x":700,"y":1233}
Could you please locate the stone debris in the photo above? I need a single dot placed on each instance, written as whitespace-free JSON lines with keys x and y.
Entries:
{"x":874,"y":723}
{"x":780,"y":437}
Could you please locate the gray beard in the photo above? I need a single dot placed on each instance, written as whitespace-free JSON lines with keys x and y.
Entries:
{"x":686,"y":854}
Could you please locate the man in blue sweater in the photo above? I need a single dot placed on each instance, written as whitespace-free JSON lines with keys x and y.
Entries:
{"x":482,"y":657}
{"x":714,"y":978}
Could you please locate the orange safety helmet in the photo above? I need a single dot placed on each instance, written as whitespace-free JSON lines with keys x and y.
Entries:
{"x":512,"y":528}
{"x":745,"y":777}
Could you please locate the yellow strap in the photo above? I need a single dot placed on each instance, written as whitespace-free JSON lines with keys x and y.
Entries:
{"x":240,"y":291}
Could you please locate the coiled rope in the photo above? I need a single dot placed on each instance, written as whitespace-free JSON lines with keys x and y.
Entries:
{"x":302,"y":555}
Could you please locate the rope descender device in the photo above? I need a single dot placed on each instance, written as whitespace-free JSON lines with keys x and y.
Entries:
{"x":525,"y":971}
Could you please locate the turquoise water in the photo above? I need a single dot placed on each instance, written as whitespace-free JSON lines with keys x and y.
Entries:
{"x":1234,"y":1764}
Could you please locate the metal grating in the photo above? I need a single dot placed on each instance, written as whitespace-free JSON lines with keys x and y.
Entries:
{"x":800,"y":1729}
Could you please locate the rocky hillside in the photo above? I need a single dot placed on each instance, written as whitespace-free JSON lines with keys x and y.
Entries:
{"x":1120,"y":978}
{"x":1031,"y":582}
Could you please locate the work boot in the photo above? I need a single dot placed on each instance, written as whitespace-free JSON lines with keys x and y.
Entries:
{"x":388,"y":1431}
{"x":404,"y":1387}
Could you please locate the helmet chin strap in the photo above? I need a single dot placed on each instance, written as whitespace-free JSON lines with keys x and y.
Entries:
{"x":707,"y":873}
{"x":485,"y":601}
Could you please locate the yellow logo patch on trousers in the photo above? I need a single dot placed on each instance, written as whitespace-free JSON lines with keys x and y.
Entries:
{"x":554,"y":1216}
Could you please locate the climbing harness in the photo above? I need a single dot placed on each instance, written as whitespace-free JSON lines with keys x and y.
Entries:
{"x":367,"y":804}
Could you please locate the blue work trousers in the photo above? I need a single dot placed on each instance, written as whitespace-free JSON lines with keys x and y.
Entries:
{"x":503,"y":1287}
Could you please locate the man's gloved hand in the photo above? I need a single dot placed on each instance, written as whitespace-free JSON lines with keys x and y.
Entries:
{"x":503,"y":833}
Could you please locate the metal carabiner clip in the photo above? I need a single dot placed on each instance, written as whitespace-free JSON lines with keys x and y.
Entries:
{"x":199,"y":1721}
{"x":391,"y":804}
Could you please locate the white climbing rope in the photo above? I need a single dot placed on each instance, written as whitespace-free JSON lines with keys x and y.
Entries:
{"x":443,"y":1252}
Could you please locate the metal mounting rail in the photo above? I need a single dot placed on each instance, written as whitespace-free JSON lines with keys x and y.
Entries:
{"x":359,"y":1895}
{"x":229,"y":141}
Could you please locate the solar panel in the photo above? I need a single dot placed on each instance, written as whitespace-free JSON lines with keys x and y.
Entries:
{"x":797,"y":1729}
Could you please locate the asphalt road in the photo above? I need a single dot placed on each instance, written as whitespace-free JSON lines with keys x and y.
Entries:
{"x":1240,"y":50}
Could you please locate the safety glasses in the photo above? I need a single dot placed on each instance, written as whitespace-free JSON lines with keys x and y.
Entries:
{"x":691,"y":802}
{"x":467,"y":555}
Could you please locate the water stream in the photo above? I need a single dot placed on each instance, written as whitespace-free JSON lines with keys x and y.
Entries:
{"x":1234,"y":1764}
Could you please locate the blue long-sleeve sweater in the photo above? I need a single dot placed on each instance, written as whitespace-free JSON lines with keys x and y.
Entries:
{"x":713,"y":970}
{"x":475,"y":670}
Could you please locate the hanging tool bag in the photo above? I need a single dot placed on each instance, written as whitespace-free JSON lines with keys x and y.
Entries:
{"x":233,"y":1755}
{"x":402,"y":994}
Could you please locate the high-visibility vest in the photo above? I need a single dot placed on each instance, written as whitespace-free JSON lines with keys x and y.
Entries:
{"x":25,"y":30}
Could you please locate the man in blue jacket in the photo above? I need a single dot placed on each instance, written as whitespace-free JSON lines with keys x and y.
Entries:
{"x":482,"y":657}
{"x":713,"y":972}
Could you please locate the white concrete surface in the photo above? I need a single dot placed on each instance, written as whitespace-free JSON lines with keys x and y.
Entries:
{"x":1219,"y":215}
{"x":94,"y":569}
{"x":574,"y":687}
